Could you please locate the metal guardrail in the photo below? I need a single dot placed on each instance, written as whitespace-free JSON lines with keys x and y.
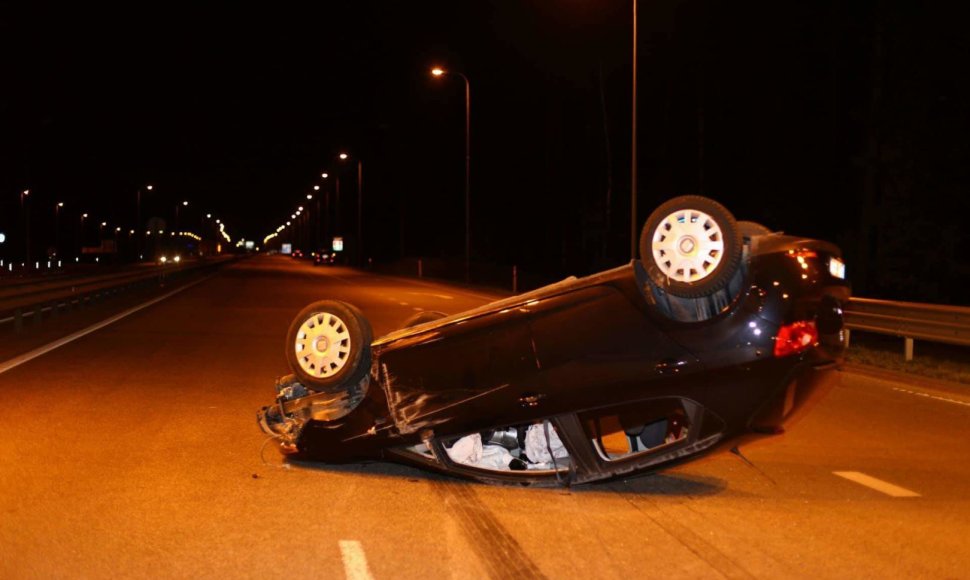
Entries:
{"x":910,"y":320}
{"x":53,"y":300}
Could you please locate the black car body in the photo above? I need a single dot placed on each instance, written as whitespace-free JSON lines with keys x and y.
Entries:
{"x":607,"y":375}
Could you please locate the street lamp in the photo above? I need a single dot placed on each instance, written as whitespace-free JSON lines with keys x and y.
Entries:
{"x":633,"y":147}
{"x":138,"y":213}
{"x":79,"y":242}
{"x":438,"y":72}
{"x":177,"y":205}
{"x":360,"y":206}
{"x":25,"y":210}
{"x":57,"y":213}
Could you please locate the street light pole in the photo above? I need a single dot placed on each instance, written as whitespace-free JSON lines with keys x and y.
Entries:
{"x":633,"y":147}
{"x":437,"y":71}
{"x":360,"y":206}
{"x":26,"y":211}
{"x":138,"y":218}
{"x":57,"y":214}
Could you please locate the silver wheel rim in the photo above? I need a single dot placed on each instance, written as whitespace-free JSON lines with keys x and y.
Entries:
{"x":322,"y":345}
{"x":688,"y":245}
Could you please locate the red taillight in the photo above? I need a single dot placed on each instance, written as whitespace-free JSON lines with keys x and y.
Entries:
{"x":795,"y":338}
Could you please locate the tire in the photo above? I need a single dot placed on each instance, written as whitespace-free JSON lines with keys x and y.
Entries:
{"x":749,"y":230}
{"x":423,"y":317}
{"x":328,"y":346}
{"x":690,"y":246}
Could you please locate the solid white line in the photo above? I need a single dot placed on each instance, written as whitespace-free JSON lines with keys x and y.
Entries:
{"x":929,"y":396}
{"x":16,"y":362}
{"x":355,"y":562}
{"x":876,"y":484}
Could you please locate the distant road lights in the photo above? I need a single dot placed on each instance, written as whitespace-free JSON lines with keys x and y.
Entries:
{"x":317,"y":187}
{"x":185,"y":203}
{"x":3,"y":237}
{"x":208,"y":216}
{"x":300,"y":208}
{"x":437,"y":71}
{"x":287,"y":223}
{"x":309,"y":196}
{"x":343,"y":156}
{"x":149,"y":188}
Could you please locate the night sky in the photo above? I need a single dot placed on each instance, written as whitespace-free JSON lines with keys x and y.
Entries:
{"x":846,"y":121}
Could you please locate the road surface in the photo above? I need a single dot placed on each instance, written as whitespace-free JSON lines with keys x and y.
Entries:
{"x":133,"y":452}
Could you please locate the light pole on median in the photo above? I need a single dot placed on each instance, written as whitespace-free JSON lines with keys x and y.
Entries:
{"x":26,"y":213}
{"x":633,"y":147}
{"x":438,"y":71}
{"x":57,"y":215}
{"x":360,"y":207}
{"x":138,"y":223}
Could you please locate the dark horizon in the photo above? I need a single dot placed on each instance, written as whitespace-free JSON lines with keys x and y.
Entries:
{"x":846,"y":123}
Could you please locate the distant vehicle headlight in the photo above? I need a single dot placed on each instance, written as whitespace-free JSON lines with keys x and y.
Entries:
{"x":177,"y":259}
{"x":163,"y":259}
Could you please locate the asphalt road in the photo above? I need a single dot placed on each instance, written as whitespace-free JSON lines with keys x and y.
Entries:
{"x":133,"y":452}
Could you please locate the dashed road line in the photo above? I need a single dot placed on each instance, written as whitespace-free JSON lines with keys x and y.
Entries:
{"x":355,"y":562}
{"x":876,"y":484}
{"x":929,"y":396}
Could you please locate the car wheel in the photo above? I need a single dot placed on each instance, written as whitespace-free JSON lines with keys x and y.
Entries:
{"x":749,"y":230}
{"x":423,"y":317}
{"x":328,"y":346}
{"x":690,"y":246}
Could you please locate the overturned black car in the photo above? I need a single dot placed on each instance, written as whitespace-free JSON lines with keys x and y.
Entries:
{"x":721,"y":330}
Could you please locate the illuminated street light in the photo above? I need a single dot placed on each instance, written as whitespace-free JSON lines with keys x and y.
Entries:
{"x":324,"y":175}
{"x":316,"y":188}
{"x":439,"y":72}
{"x":57,"y":211}
{"x":138,"y":212}
{"x":309,"y":196}
{"x":25,"y":212}
{"x":343,"y":156}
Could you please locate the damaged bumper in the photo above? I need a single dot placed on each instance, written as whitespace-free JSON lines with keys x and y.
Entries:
{"x":296,"y":405}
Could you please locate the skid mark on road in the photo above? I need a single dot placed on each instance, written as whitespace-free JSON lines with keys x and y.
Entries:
{"x":876,"y":484}
{"x":355,"y":562}
{"x":697,"y":545}
{"x":499,"y":552}
{"x":929,"y":396}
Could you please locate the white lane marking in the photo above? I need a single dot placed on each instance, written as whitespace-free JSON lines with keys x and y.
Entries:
{"x":355,"y":562}
{"x":929,"y":396}
{"x":876,"y":484}
{"x":41,"y":351}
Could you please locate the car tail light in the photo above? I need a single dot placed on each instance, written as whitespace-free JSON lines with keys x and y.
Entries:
{"x":795,"y":338}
